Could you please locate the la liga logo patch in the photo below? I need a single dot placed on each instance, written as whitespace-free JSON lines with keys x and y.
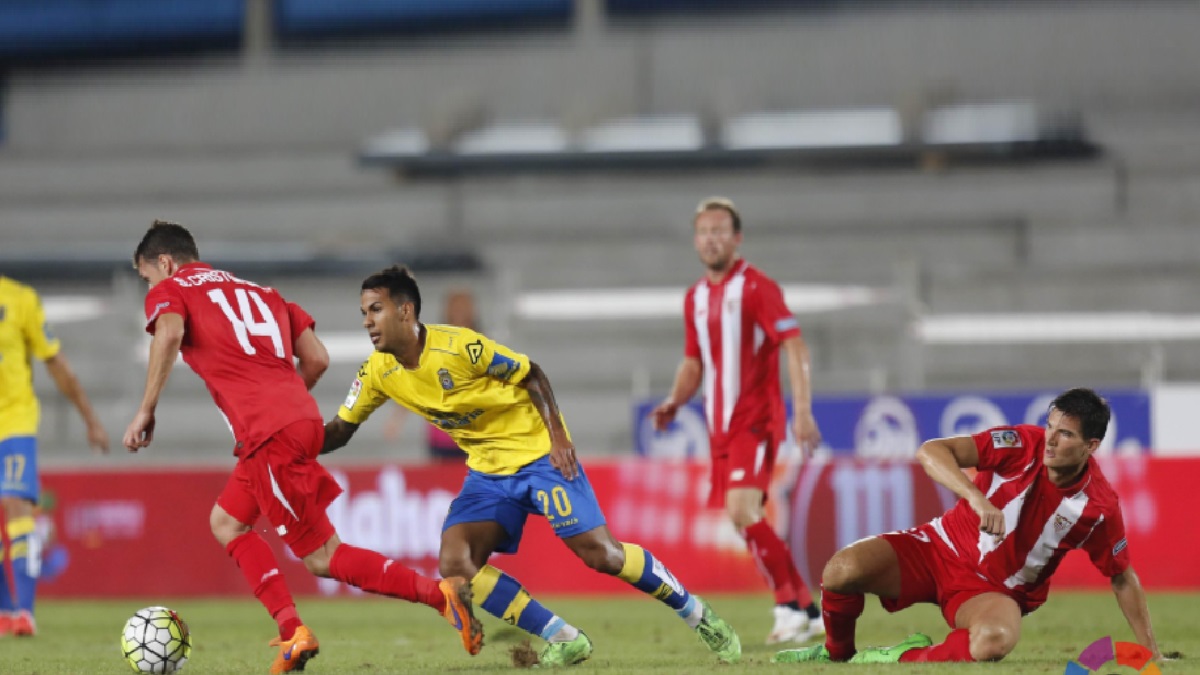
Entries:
{"x":1104,"y":650}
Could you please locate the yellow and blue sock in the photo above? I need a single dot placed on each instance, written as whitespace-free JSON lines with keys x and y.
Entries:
{"x":647,"y":574}
{"x":503,"y":597}
{"x":23,"y":554}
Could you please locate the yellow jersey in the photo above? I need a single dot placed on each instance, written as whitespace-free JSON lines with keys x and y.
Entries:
{"x":23,"y":337}
{"x":467,"y":385}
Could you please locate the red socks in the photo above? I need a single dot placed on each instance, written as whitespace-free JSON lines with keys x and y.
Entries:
{"x":956,"y":647}
{"x":254,"y":557}
{"x":841,"y":613}
{"x":775,"y":561}
{"x":372,"y":572}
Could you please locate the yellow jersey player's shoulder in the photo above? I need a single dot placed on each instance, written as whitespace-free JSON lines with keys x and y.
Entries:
{"x":455,"y":341}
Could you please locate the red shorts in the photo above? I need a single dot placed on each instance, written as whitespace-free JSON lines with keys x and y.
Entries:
{"x":744,"y":460}
{"x":931,"y":572}
{"x":283,"y":481}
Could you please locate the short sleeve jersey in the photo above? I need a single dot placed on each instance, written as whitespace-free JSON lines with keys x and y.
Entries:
{"x":735,"y":328}
{"x":24,"y":336}
{"x":1042,"y":522}
{"x":467,"y":385}
{"x":239,"y":337}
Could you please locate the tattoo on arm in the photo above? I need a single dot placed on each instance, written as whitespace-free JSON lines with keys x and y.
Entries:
{"x":337,"y":434}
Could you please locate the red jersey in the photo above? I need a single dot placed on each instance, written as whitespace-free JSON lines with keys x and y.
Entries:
{"x":734,"y":327}
{"x":1041,"y":521}
{"x":239,"y":339}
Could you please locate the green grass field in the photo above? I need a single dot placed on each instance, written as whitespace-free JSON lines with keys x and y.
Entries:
{"x":632,"y":634}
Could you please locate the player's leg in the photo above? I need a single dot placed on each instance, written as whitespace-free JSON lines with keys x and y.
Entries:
{"x":986,"y":628}
{"x":745,"y":472}
{"x":571,"y":508}
{"x":18,"y":494}
{"x":485,"y":518}
{"x":867,"y":566}
{"x":236,"y":507}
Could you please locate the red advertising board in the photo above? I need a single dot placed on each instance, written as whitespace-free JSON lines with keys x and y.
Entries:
{"x":146,"y":532}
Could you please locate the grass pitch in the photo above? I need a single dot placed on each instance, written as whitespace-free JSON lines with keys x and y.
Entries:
{"x":632,"y":634}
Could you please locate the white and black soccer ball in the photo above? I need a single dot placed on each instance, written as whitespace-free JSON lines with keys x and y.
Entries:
{"x":156,"y":640}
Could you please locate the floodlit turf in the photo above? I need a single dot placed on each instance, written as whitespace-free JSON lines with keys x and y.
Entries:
{"x":632,"y":634}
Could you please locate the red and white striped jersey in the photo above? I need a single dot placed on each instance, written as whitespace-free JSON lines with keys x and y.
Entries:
{"x":734,"y":327}
{"x":1041,"y":521}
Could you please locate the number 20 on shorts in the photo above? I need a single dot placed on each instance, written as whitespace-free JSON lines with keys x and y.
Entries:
{"x":562,"y":504}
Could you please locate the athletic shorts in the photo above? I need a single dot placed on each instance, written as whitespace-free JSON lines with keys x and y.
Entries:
{"x":18,"y":468}
{"x":569,"y":506}
{"x":283,"y":481}
{"x":931,"y":572}
{"x":744,"y":460}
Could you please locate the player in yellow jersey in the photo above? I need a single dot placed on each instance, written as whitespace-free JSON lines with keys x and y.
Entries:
{"x":24,"y":336}
{"x":499,"y":407}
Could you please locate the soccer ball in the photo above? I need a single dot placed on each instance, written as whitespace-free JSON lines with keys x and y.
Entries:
{"x":156,"y":640}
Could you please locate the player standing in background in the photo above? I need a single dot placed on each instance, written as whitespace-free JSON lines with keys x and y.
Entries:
{"x":1037,"y":493}
{"x":499,"y":407}
{"x":735,"y":324}
{"x":25,"y":336}
{"x":241,"y":338}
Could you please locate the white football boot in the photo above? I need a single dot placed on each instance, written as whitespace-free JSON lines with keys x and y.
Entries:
{"x":791,"y":625}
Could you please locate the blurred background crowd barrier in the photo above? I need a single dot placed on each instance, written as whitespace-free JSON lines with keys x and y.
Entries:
{"x":970,"y":205}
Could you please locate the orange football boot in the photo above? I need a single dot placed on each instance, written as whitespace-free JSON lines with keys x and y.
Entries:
{"x":23,"y":625}
{"x":459,"y":613}
{"x":6,"y":624}
{"x":294,"y":653}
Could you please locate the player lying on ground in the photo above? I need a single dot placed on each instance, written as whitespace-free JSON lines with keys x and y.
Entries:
{"x":499,"y":407}
{"x":987,"y":562}
{"x":241,"y":338}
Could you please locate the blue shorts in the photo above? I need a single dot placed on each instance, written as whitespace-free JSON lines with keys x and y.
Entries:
{"x":18,"y":467}
{"x":569,"y":506}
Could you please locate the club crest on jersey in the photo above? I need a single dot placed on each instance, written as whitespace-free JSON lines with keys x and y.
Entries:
{"x":475,"y":350}
{"x":1007,"y":438}
{"x":1061,"y":524}
{"x":445,"y":379}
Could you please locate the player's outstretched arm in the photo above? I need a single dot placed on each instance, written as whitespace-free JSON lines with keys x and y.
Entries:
{"x":687,"y":381}
{"x":164,"y":349}
{"x":562,"y":451}
{"x":68,"y":384}
{"x":1131,"y":598}
{"x":337,"y":434}
{"x":313,"y":357}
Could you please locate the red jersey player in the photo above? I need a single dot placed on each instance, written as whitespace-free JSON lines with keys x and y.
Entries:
{"x":735,"y":325}
{"x":241,"y":338}
{"x":986,"y":562}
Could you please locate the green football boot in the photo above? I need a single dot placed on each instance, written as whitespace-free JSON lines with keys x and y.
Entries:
{"x":566,"y":653}
{"x":891,"y":654}
{"x":718,"y":634}
{"x":813,"y":654}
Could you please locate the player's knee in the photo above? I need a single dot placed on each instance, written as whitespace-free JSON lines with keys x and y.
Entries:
{"x":992,"y":642}
{"x":842,"y":573}
{"x":317,"y":562}
{"x":225,"y":527}
{"x":603,"y":558}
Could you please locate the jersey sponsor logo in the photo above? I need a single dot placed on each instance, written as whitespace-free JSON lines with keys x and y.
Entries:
{"x":445,"y":379}
{"x":355,"y":390}
{"x":1007,"y":438}
{"x":1120,"y":546}
{"x":451,"y":420}
{"x":475,"y":351}
{"x":786,"y":324}
{"x":502,"y":367}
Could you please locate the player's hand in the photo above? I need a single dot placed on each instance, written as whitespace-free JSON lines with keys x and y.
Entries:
{"x":808,"y":435}
{"x":991,"y":519}
{"x":664,"y":414}
{"x":562,"y":457}
{"x":140,"y":431}
{"x":97,"y":436}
